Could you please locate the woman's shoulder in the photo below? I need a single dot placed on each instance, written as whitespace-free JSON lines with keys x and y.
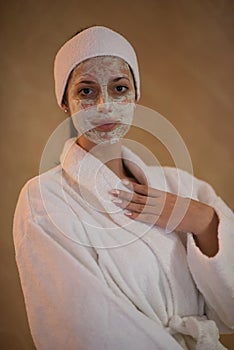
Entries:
{"x":35,"y":188}
{"x":50,"y":176}
{"x":175,"y":175}
{"x":179,"y":181}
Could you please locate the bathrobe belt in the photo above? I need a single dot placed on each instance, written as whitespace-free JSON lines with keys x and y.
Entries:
{"x":203,"y":331}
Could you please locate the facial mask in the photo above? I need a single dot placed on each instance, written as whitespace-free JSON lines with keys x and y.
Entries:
{"x":86,"y":120}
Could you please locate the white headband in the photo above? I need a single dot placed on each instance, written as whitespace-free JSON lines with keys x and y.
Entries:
{"x":92,"y":42}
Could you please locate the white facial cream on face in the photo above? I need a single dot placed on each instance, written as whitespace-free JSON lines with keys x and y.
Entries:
{"x":109,"y":127}
{"x":101,"y":98}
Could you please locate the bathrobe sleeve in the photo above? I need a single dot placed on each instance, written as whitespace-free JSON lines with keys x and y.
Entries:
{"x":68,"y":306}
{"x":214,"y":276}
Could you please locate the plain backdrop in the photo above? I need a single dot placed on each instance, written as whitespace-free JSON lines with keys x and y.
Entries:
{"x":185,"y":50}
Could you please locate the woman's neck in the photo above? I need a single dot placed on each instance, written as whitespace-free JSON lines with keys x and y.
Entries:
{"x":109,"y":154}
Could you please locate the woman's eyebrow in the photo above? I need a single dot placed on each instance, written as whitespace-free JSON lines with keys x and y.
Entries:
{"x":85,"y":82}
{"x":119,"y":78}
{"x":94,"y":82}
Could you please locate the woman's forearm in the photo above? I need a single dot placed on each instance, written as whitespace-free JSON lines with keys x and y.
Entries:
{"x":207,"y":237}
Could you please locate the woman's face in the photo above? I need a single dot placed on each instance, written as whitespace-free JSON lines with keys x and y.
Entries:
{"x":100,"y":97}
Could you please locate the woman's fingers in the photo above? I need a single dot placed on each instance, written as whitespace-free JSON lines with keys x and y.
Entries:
{"x":142,"y":189}
{"x":138,"y":203}
{"x":134,"y":207}
{"x":133,"y":197}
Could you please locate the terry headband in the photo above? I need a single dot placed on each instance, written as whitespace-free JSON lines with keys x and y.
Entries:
{"x":92,"y":42}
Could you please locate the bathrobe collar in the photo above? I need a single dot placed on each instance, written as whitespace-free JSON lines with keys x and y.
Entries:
{"x":95,"y":180}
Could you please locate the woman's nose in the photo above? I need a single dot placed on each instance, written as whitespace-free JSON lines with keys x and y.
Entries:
{"x":104,"y":104}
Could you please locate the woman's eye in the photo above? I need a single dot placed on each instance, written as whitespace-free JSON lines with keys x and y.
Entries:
{"x":121,"y":88}
{"x":85,"y":91}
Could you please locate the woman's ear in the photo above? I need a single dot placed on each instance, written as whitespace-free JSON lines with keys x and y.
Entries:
{"x":65,"y":108}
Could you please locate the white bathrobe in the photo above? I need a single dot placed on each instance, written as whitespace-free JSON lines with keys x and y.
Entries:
{"x":93,"y":279}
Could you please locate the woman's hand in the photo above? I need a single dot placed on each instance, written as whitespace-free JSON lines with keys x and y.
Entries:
{"x":170,"y":211}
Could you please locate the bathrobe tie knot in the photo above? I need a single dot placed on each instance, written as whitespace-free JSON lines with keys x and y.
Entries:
{"x":203,"y":331}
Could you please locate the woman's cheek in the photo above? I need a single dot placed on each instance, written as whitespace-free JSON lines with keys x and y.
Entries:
{"x":86,"y":104}
{"x":78,"y":105}
{"x":127,"y":98}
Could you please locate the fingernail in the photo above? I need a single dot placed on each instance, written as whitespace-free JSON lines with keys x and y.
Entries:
{"x":125,"y":182}
{"x":128,"y":213}
{"x":116,"y":192}
{"x":117,"y":200}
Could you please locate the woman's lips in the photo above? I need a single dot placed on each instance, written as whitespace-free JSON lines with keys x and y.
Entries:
{"x":106,"y":127}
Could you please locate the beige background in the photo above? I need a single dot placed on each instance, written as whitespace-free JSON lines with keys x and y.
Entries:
{"x":186,"y":52}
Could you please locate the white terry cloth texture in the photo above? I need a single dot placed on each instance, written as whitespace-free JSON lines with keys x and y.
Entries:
{"x":92,"y":42}
{"x":89,"y":286}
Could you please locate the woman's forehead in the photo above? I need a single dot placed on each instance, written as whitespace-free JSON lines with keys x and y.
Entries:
{"x":102,"y":65}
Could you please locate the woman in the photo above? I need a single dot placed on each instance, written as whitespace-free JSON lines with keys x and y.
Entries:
{"x":98,"y":268}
